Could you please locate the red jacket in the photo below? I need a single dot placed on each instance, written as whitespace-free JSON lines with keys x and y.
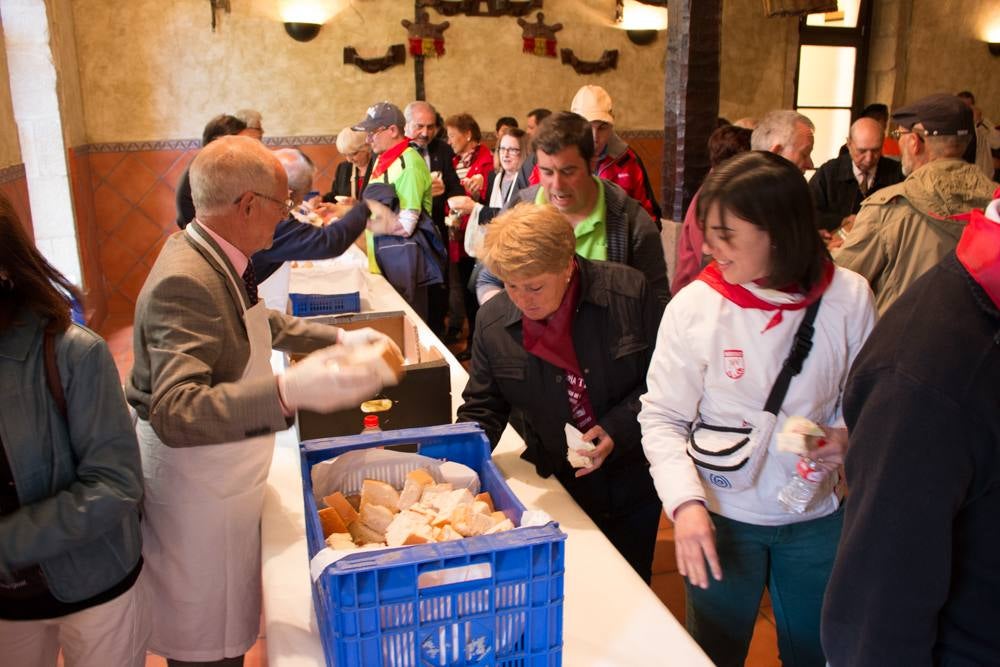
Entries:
{"x":622,"y":166}
{"x":482,"y":164}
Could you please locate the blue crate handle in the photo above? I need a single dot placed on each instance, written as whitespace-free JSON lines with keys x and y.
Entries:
{"x":405,"y":435}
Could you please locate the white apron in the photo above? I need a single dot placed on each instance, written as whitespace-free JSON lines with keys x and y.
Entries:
{"x":201,"y":527}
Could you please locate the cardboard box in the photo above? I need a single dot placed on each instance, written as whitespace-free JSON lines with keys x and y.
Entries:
{"x":423,"y":398}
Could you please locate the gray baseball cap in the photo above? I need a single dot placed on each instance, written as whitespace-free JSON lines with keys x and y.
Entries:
{"x":940,"y":113}
{"x":382,"y":114}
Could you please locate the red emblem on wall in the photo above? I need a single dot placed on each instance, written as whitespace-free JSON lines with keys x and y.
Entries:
{"x":733,"y":363}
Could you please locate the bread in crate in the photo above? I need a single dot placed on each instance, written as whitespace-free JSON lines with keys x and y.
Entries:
{"x":422,"y":511}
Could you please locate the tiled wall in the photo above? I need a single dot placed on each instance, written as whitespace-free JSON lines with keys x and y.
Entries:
{"x":14,"y":187}
{"x":124,"y":198}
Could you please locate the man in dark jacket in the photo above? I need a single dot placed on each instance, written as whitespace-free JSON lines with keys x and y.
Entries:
{"x":297,"y":240}
{"x":609,"y":225}
{"x":917,"y":578}
{"x":422,"y":128}
{"x":840,"y":185}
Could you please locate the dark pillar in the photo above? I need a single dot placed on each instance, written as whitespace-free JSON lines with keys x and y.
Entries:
{"x":691,"y":99}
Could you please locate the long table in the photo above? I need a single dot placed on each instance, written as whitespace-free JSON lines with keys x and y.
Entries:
{"x":611,"y":618}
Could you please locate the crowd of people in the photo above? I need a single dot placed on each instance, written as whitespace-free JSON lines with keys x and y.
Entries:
{"x":862,"y":305}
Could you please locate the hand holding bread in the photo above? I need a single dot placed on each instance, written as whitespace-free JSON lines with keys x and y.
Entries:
{"x":337,"y":377}
{"x":599,"y":454}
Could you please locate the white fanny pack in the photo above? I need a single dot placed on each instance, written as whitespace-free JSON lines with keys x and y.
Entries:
{"x":730,"y":458}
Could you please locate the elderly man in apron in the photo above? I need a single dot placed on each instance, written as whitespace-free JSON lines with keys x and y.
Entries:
{"x":209,"y":404}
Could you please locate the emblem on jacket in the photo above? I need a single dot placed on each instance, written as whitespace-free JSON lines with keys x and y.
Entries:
{"x":733,"y":363}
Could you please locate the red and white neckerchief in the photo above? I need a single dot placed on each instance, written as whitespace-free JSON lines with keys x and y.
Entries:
{"x":386,"y":158}
{"x":744,"y":298}
{"x":979,"y":249}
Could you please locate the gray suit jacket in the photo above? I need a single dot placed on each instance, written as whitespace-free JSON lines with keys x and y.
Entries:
{"x":191,"y":347}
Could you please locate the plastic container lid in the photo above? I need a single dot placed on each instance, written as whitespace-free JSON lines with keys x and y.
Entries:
{"x":370,"y":421}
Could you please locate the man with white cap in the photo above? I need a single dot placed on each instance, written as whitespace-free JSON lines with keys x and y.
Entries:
{"x":613,"y":159}
{"x":903,"y":230}
{"x":917,"y":576}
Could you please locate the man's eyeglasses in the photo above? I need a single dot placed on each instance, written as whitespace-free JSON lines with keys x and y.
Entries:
{"x":371,"y":133}
{"x":512,"y":151}
{"x":898,"y":132}
{"x":286,"y":206}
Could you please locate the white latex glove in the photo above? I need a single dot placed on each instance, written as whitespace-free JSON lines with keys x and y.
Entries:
{"x":321,"y":384}
{"x":357,"y":337}
{"x":382,"y":219}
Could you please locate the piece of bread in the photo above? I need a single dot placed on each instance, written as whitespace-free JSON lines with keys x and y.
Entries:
{"x":340,"y":541}
{"x":344,"y":508}
{"x":421,"y":476}
{"x":383,"y":356}
{"x":498,"y":516}
{"x":331,"y":522}
{"x":506,"y":524}
{"x":375,"y":492}
{"x":448,"y":503}
{"x":362,"y":534}
{"x":376,"y":517}
{"x":485,"y":497}
{"x":413,"y":488}
{"x":432,"y":493}
{"x":446,"y":534}
{"x":408,"y":528}
{"x":797,"y":436}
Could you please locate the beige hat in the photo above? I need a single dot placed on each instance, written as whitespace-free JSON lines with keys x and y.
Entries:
{"x":593,"y":103}
{"x":350,"y":141}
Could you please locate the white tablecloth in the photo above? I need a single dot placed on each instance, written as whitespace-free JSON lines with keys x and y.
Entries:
{"x":611,"y":618}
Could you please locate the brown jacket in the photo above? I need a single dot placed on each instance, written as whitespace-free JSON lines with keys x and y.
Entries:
{"x":903,"y":230}
{"x":191,"y":347}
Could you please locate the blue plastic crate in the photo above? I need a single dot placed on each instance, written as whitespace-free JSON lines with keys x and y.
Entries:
{"x":325,"y":304}
{"x":372,"y":610}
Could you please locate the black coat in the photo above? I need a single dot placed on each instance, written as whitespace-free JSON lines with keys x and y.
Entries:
{"x":835,"y":189}
{"x":614,"y":331}
{"x":917,"y":577}
{"x":441,"y":159}
{"x":341,"y":185}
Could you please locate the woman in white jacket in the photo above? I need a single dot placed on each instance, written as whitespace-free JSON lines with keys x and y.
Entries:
{"x":720,"y":348}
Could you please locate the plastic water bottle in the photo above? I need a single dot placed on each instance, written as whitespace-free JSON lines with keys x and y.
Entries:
{"x":370,"y":425}
{"x":798,"y":494}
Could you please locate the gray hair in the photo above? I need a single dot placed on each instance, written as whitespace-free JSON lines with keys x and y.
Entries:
{"x":251,"y":117}
{"x":413,"y":106}
{"x":946,"y":145}
{"x":777,"y":128}
{"x":298,"y":168}
{"x":225,"y":169}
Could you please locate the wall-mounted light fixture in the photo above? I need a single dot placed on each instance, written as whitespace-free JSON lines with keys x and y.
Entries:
{"x":303,"y":19}
{"x":991,"y":35}
{"x":641,"y":20}
{"x":301,"y":31}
